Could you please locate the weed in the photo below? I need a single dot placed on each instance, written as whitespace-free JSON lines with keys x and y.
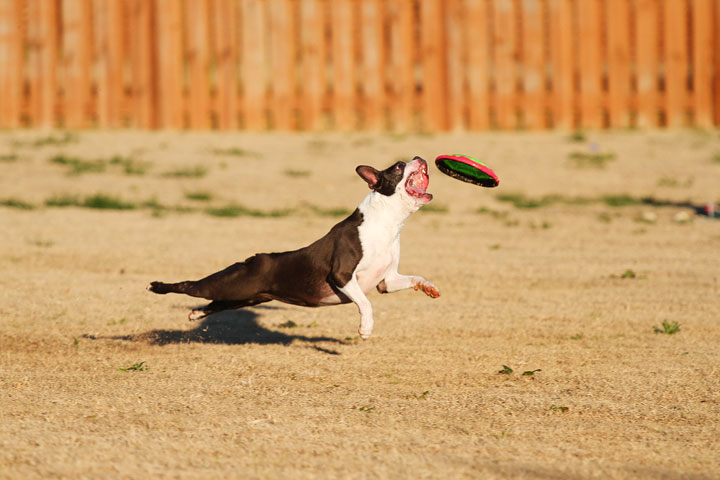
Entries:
{"x":716,"y":159}
{"x":628,"y":274}
{"x":15,"y":203}
{"x":423,"y":395}
{"x":136,"y":367}
{"x":41,"y":243}
{"x":366,"y":409}
{"x":199,"y":196}
{"x":240,"y":210}
{"x":330,"y":212}
{"x":106,"y":202}
{"x":530,"y":373}
{"x":604,"y":217}
{"x":52,"y":140}
{"x":495,"y":246}
{"x":297,"y":173}
{"x":63,"y":201}
{"x":197,"y":171}
{"x":578,"y":136}
{"x":77,"y":166}
{"x":621,"y":200}
{"x":288,"y":324}
{"x":493,"y":213}
{"x":577,"y":336}
{"x":555,"y":408}
{"x":505,"y":370}
{"x":591,"y":160}
{"x":236,"y":152}
{"x":312,"y":325}
{"x":668,"y":328}
{"x":130,"y":165}
{"x":76,"y":342}
{"x":7,"y":158}
{"x":434,"y":208}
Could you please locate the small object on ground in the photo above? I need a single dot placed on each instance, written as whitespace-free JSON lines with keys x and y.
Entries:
{"x":711,"y":210}
{"x":467,"y":169}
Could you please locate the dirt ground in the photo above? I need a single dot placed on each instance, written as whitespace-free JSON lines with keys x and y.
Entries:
{"x":102,"y":379}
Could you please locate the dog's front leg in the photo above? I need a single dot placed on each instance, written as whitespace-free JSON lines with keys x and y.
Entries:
{"x":393,"y":282}
{"x":353,"y":291}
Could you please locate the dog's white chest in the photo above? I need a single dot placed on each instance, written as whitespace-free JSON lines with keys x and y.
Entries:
{"x":379,"y":238}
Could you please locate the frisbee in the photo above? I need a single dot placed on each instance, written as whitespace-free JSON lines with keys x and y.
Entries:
{"x":467,"y":169}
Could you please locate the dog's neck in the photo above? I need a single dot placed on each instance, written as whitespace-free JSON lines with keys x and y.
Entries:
{"x":390,"y":211}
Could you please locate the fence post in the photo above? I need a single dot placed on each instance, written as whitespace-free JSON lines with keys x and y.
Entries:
{"x":198,"y":43}
{"x":312,"y":40}
{"x":343,"y":48}
{"x":702,"y":62}
{"x":675,"y":60}
{"x":504,"y":51}
{"x":434,"y":87}
{"x":283,"y":40}
{"x":533,"y":79}
{"x":561,"y":54}
{"x":373,"y":61}
{"x":617,"y":20}
{"x":478,"y":40}
{"x":646,"y":62}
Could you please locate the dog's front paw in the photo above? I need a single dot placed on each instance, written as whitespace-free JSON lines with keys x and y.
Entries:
{"x":196,"y":314}
{"x":428,"y":288}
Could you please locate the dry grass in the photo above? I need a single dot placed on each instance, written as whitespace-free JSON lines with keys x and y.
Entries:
{"x":100,"y":379}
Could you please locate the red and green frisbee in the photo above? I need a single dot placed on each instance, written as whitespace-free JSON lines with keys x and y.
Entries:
{"x":467,"y":169}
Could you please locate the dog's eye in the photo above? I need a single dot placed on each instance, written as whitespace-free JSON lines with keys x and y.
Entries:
{"x":399,"y":167}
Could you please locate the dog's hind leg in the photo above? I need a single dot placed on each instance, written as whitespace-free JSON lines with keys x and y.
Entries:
{"x":237,"y":283}
{"x":221,"y":305}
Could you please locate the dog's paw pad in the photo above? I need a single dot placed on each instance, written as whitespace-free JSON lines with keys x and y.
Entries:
{"x":428,"y":289}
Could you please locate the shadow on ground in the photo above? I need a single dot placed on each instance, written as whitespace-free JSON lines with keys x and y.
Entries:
{"x":230,"y":327}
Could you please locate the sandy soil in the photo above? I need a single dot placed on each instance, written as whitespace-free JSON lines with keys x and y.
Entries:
{"x":573,"y":287}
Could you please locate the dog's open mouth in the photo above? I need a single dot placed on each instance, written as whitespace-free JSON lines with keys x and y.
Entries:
{"x":417,"y":183}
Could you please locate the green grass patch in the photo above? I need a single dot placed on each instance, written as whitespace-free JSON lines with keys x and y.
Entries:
{"x":235,"y":210}
{"x":15,"y":203}
{"x":434,"y":208}
{"x":330,"y":212}
{"x":52,"y":140}
{"x":621,"y":200}
{"x":716,"y":159}
{"x":107,"y":202}
{"x":578,"y":136}
{"x":668,"y":328}
{"x":77,"y":166}
{"x":8,"y":157}
{"x":135,"y":367}
{"x":199,"y":196}
{"x":235,"y":152}
{"x":591,"y":160}
{"x":505,"y":370}
{"x":296,"y":173}
{"x":197,"y":171}
{"x":130,"y":165}
{"x":63,"y":201}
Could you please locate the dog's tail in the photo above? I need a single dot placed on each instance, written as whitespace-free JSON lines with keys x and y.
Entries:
{"x":163,"y":288}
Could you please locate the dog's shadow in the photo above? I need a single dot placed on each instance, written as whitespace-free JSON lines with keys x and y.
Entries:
{"x":230,"y":327}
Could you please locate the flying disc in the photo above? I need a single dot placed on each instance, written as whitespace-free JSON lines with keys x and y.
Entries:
{"x":467,"y":169}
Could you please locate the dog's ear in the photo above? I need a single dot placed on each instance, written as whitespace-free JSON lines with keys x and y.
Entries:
{"x":369,"y":174}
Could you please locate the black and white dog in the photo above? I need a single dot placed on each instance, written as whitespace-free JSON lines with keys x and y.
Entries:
{"x":360,"y":253}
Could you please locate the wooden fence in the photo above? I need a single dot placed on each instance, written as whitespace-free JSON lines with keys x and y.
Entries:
{"x":398,"y":65}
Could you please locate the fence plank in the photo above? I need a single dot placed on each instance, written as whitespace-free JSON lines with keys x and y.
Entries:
{"x":675,"y":60}
{"x":168,"y":17}
{"x":312,"y":42}
{"x":11,"y":62}
{"x":478,"y":64}
{"x":33,"y":49}
{"x":504,"y":56}
{"x":402,"y":61}
{"x":617,"y":20}
{"x":702,"y":62}
{"x":198,"y":60}
{"x":456,"y":55}
{"x":372,"y":48}
{"x":716,"y":50}
{"x":283,"y":40}
{"x":110,"y":41}
{"x":343,"y":46}
{"x":226,"y":58}
{"x":49,"y":39}
{"x":589,"y":65}
{"x":533,"y":61}
{"x":561,"y":55}
{"x":646,"y":62}
{"x":142,"y":59}
{"x":432,"y":45}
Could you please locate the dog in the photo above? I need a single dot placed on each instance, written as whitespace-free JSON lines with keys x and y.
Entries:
{"x":358,"y":254}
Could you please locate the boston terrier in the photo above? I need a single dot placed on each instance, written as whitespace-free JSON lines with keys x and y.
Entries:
{"x":358,"y":254}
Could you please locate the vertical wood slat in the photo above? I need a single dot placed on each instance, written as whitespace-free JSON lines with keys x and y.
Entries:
{"x":170,"y":94}
{"x":372,"y":46}
{"x":226,"y":57}
{"x":456,"y":57}
{"x":702,"y":62}
{"x":110,"y":86}
{"x":561,"y":54}
{"x":478,"y":64}
{"x":253,"y":64}
{"x":675,"y":61}
{"x":76,"y":62}
{"x":716,"y":50}
{"x":433,"y":65}
{"x":504,"y":51}
{"x":617,"y":20}
{"x":343,"y":44}
{"x":402,"y":61}
{"x":589,"y":66}
{"x":48,"y":63}
{"x":646,"y":62}
{"x":142,"y":60}
{"x":33,"y":50}
{"x":283,"y":40}
{"x":533,"y":79}
{"x":198,"y":60}
{"x":312,"y":41}
{"x":11,"y":62}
